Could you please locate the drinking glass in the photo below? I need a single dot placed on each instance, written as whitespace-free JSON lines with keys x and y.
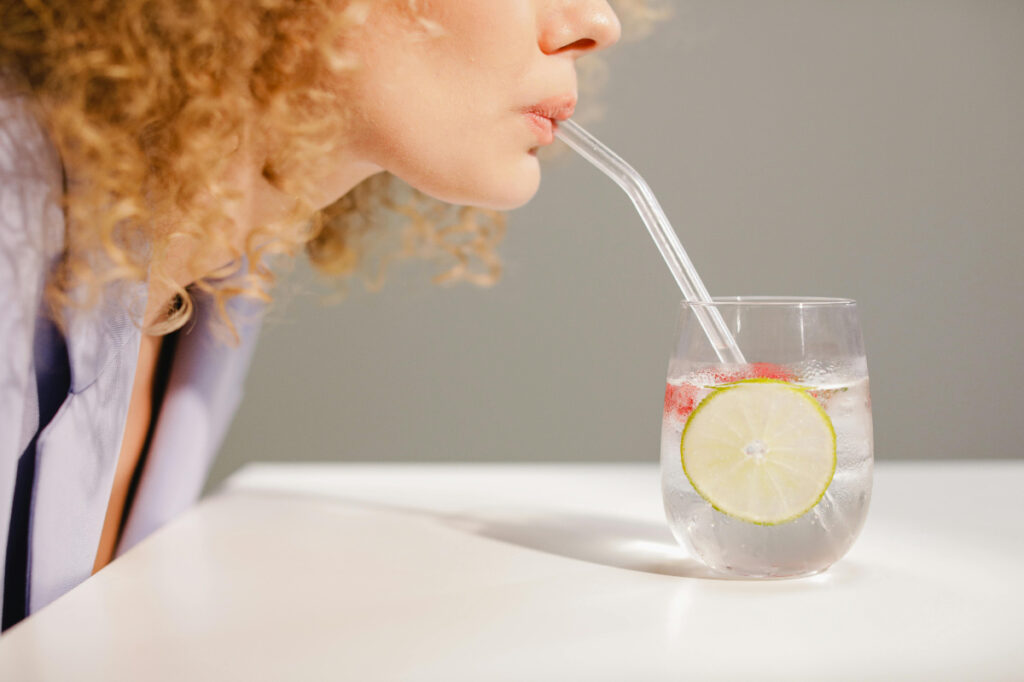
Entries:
{"x":767,"y":466}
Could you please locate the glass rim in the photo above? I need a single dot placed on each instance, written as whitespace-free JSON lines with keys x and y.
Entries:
{"x":767,"y":301}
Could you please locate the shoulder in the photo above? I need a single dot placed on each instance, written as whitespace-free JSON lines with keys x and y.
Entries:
{"x":24,"y":144}
{"x":31,"y":177}
{"x":31,"y":185}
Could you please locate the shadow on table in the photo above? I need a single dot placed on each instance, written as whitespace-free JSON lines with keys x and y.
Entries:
{"x":631,"y":544}
{"x":607,"y":540}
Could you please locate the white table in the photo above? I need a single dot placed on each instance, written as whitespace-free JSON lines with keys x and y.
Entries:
{"x":535,"y":572}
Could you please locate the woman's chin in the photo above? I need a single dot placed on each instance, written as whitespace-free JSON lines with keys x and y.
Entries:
{"x":501,"y":188}
{"x":511,"y":189}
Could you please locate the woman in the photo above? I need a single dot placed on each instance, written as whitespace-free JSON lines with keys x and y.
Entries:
{"x":154,"y":155}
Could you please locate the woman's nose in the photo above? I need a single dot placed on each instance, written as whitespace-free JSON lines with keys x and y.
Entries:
{"x":577,"y":27}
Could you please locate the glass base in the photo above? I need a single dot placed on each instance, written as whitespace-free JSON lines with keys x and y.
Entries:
{"x":734,"y":574}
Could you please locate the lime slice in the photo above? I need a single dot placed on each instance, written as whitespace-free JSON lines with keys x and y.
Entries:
{"x":759,"y":450}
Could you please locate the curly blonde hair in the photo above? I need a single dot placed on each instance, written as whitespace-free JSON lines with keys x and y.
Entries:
{"x":147,"y":99}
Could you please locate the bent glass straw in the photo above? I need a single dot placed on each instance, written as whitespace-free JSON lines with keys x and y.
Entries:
{"x":612,"y":165}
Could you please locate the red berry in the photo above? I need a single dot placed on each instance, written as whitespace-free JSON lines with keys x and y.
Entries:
{"x":680,"y":399}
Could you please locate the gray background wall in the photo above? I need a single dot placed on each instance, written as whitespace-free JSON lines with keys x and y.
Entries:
{"x":868,"y":149}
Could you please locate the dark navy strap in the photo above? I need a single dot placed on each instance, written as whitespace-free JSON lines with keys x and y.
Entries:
{"x":53,"y":381}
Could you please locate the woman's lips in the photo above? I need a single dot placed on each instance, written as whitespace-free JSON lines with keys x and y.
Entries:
{"x":543,"y":126}
{"x":544,"y":116}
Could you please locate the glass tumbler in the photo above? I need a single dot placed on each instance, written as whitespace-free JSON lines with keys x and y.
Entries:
{"x":766,"y":466}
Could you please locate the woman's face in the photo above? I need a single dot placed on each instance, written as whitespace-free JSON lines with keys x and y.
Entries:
{"x":456,"y":99}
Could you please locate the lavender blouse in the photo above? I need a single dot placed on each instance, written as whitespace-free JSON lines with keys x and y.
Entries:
{"x":64,"y":398}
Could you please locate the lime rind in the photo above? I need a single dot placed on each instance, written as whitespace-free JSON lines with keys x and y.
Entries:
{"x":723,"y":388}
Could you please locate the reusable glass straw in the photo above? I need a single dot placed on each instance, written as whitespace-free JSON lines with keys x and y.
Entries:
{"x":612,"y":165}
